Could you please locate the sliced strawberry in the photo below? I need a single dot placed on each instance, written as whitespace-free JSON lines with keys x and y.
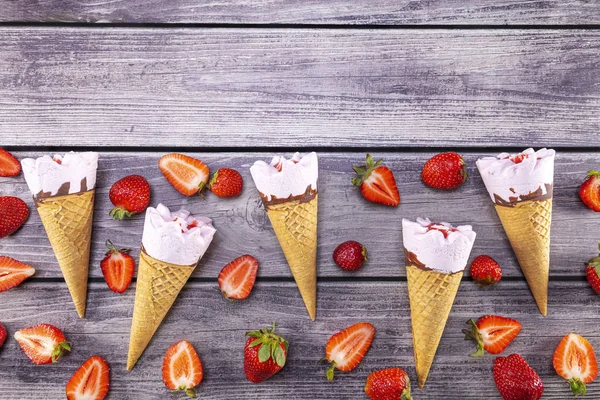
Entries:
{"x":187,"y":175}
{"x":492,"y":333}
{"x":237,"y":278}
{"x":117,"y":267}
{"x":589,"y":191}
{"x":90,"y":381}
{"x":346,"y":349}
{"x":9,"y":165}
{"x":13,"y":273}
{"x":3,"y":334}
{"x":42,"y":344}
{"x":182,"y":368}
{"x":13,"y":214}
{"x":574,"y":360}
{"x":377,"y":183}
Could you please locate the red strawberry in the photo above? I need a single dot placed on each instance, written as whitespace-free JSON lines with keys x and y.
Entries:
{"x":492,"y":333}
{"x":42,"y":344}
{"x":350,"y":255}
{"x":377,"y":183}
{"x":129,"y":195}
{"x":589,"y":191}
{"x":2,"y":334}
{"x":187,"y":175}
{"x":516,"y":380}
{"x":592,"y":272}
{"x":444,"y":171}
{"x":182,"y":368}
{"x":117,"y":267}
{"x":485,"y":270}
{"x":346,"y":349}
{"x":9,"y":165}
{"x":90,"y":381}
{"x":13,"y":213}
{"x":265,"y":354}
{"x":575,"y":360}
{"x":226,"y":182}
{"x":237,"y":278}
{"x":388,"y":384}
{"x":13,"y":273}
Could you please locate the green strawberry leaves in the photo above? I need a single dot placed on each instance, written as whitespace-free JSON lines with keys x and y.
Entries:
{"x":60,"y":350}
{"x":270,"y":345}
{"x":475,"y":335}
{"x":364,"y":171}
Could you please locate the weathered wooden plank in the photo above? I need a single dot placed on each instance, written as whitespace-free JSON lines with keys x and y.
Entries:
{"x":286,"y":87}
{"x":243,"y":226}
{"x":383,"y":12}
{"x":216,"y":327}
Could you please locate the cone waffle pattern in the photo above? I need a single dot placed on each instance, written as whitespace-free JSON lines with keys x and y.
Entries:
{"x":158,"y":284}
{"x":68,"y":223}
{"x":527,"y":226}
{"x":431,"y":296}
{"x":295,"y":225}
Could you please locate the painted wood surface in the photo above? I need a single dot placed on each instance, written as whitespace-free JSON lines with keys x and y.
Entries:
{"x":227,"y":88}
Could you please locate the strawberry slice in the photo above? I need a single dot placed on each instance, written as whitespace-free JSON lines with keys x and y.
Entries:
{"x":42,"y":344}
{"x":182,"y":368}
{"x":377,"y":183}
{"x":237,"y":278}
{"x":346,"y":349}
{"x":589,"y":191}
{"x":117,"y":267}
{"x":187,"y":175}
{"x":13,"y":273}
{"x":3,"y":334}
{"x":574,"y":360}
{"x":90,"y":381}
{"x":492,"y":333}
{"x":9,"y":165}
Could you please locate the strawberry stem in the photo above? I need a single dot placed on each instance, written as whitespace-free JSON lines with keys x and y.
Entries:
{"x":577,"y":387}
{"x":331,"y":371}
{"x":406,"y":392}
{"x":474,"y":335}
{"x":60,"y":350}
{"x":119,"y":213}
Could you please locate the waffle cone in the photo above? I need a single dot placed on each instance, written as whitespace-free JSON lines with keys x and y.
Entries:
{"x":527,"y":226}
{"x":158,"y":284}
{"x":295,"y":224}
{"x":68,"y":223}
{"x":431,"y":295}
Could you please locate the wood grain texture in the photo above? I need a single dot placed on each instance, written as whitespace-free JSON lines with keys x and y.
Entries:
{"x":343,"y":12}
{"x":286,"y":87}
{"x":243,"y":227}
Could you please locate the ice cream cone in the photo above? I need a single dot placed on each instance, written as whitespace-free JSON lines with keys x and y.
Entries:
{"x":431,"y":295}
{"x":158,"y":284}
{"x":527,"y":225}
{"x":68,"y":223}
{"x":295,"y":224}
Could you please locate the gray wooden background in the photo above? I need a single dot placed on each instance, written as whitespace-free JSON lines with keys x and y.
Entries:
{"x":234,"y":81}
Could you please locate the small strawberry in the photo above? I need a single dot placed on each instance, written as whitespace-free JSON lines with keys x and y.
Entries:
{"x":592,"y":272}
{"x":485,"y":270}
{"x":226,"y":182}
{"x":377,"y":183}
{"x":574,"y":360}
{"x":9,"y":165}
{"x":444,"y":171}
{"x":492,"y":333}
{"x":3,"y":334}
{"x":516,"y":380}
{"x":589,"y":191}
{"x":350,"y":255}
{"x":237,"y":278}
{"x":129,"y":195}
{"x":388,"y":384}
{"x":91,"y":381}
{"x":182,"y":368}
{"x":42,"y":344}
{"x":187,"y":175}
{"x":117,"y":267}
{"x":265,"y":354}
{"x":13,"y":213}
{"x":346,"y":349}
{"x":13,"y":273}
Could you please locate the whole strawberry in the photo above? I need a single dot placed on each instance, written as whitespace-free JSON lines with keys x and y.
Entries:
{"x":350,"y":255}
{"x":516,"y":380}
{"x":592,"y":272}
{"x":226,"y":182}
{"x":444,"y":171}
{"x":265,"y":354}
{"x":13,"y":213}
{"x":589,"y":191}
{"x":388,"y":384}
{"x":9,"y":165}
{"x":3,"y":334}
{"x":377,"y":183}
{"x":485,"y":270}
{"x":129,"y":195}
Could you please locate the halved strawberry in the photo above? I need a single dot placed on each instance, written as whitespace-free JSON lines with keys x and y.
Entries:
{"x":574,"y":360}
{"x":187,"y":175}
{"x":377,"y":183}
{"x":237,"y":278}
{"x":346,"y":349}
{"x":182,"y":368}
{"x":9,"y":165}
{"x":589,"y":191}
{"x":13,"y":273}
{"x":42,"y":344}
{"x":492,"y":333}
{"x":90,"y":381}
{"x":117,"y":267}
